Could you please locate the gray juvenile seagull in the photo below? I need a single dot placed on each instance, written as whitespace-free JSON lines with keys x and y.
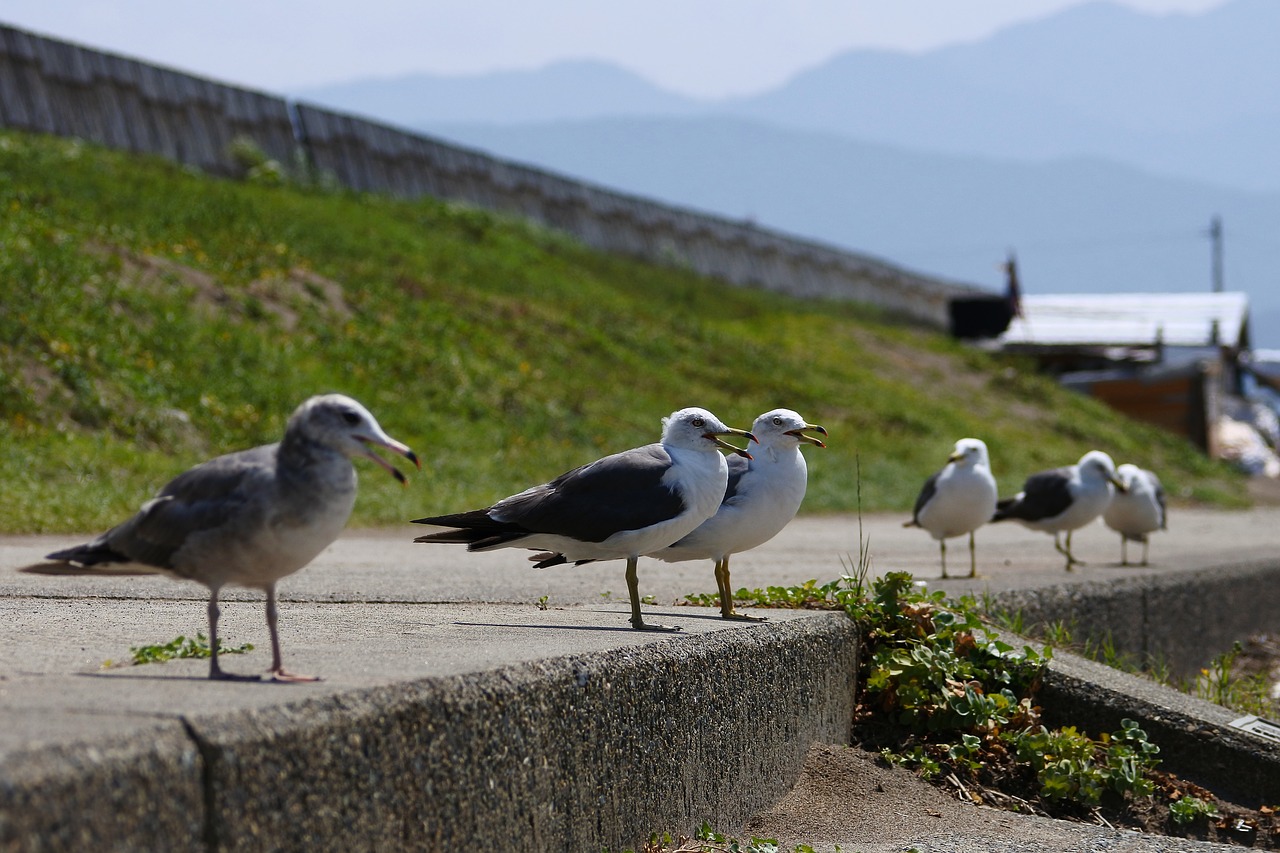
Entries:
{"x":1138,"y":511}
{"x":1064,"y":499}
{"x":248,"y":518}
{"x":958,"y":499}
{"x":618,"y":507}
{"x":764,"y":493}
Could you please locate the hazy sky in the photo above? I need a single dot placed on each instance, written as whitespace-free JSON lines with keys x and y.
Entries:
{"x":696,"y":47}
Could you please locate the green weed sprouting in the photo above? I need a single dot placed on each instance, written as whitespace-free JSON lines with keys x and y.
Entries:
{"x":959,"y":690}
{"x":960,"y":693}
{"x":1220,"y":682}
{"x":1071,"y":766}
{"x":1191,"y":809}
{"x":183,"y":647}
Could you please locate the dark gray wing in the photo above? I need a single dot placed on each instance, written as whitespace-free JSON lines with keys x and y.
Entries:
{"x":214,"y":494}
{"x":927,"y":491}
{"x":738,"y":465}
{"x":591,"y":503}
{"x":619,"y":492}
{"x":1045,"y":495}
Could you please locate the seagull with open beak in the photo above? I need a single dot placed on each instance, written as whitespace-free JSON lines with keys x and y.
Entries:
{"x":616,"y":508}
{"x":763,"y":494}
{"x":248,"y":518}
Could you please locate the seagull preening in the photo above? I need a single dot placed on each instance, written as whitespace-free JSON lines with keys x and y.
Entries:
{"x":248,"y":518}
{"x":619,"y":507}
{"x":958,"y":499}
{"x":1064,"y":499}
{"x":763,"y":494}
{"x":1137,"y":511}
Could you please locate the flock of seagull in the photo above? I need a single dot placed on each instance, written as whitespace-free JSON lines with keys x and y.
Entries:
{"x":253,"y":517}
{"x":962,"y":497}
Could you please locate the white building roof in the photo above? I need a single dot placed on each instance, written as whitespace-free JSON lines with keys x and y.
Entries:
{"x":1129,"y":319}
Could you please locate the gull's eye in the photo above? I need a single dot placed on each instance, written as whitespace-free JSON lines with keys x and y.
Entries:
{"x":352,"y":418}
{"x":777,"y":421}
{"x":698,"y":422}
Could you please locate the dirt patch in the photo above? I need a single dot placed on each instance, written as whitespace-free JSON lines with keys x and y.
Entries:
{"x":46,"y":389}
{"x":283,"y":295}
{"x":1003,"y":782}
{"x":1260,"y":656}
{"x":849,"y":797}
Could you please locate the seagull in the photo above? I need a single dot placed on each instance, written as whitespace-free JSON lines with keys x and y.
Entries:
{"x":1064,"y":499}
{"x":1137,"y":511}
{"x":958,"y":499}
{"x":248,"y":518}
{"x":619,"y":507}
{"x":764,"y":493}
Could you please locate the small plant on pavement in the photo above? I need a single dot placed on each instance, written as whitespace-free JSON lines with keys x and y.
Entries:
{"x":183,"y":647}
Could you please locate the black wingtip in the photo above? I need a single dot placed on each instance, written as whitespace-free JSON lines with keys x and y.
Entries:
{"x":91,"y":554}
{"x":547,"y":559}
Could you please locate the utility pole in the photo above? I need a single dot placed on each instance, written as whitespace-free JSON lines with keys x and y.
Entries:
{"x":1215,"y":238}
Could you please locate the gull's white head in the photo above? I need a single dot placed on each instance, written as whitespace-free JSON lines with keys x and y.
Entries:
{"x":969,"y":452}
{"x":785,"y":428}
{"x":1098,"y":465}
{"x":1129,"y":474}
{"x":698,"y":429}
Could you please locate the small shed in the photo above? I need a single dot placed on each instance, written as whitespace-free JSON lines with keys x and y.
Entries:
{"x":1164,"y":358}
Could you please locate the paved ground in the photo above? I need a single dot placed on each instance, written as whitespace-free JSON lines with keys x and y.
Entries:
{"x":375,"y":608}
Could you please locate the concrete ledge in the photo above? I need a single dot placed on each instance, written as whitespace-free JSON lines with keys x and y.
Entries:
{"x":1181,"y":620}
{"x":143,"y":792}
{"x":573,"y":753}
{"x":1195,"y":738}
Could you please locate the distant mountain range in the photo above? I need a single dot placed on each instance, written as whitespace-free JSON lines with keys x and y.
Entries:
{"x":1096,"y":143}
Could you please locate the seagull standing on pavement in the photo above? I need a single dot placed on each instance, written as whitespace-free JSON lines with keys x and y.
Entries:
{"x":1136,"y":511}
{"x":1064,"y":499}
{"x":763,"y":494}
{"x":619,"y":507}
{"x":958,"y":499}
{"x":248,"y":518}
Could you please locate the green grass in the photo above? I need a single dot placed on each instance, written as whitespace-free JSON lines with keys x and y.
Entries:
{"x":151,"y":317}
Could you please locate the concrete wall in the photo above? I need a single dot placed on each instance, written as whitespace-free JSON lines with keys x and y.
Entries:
{"x":53,"y":87}
{"x":1196,"y":738}
{"x":566,"y":754}
{"x":1178,"y":620}
{"x":49,"y":86}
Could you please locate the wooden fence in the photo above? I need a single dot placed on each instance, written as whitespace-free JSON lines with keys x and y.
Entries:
{"x":54,"y":87}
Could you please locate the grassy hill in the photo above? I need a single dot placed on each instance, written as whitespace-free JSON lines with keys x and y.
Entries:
{"x":151,"y":317}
